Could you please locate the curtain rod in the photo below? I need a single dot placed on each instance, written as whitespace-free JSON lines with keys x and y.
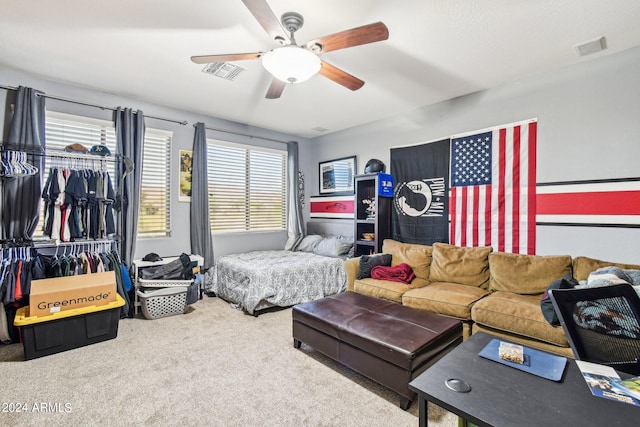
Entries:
{"x":244,"y":134}
{"x":183,"y":122}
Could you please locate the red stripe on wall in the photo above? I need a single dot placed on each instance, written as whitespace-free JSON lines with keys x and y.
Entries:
{"x":589,"y":203}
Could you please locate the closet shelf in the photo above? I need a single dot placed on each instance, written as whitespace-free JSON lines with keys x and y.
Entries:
{"x":57,"y":152}
{"x":5,"y":146}
{"x":46,"y":243}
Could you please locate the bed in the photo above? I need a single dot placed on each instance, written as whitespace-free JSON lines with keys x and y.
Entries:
{"x":258,"y":280}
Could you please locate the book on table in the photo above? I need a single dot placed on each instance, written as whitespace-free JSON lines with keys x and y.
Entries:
{"x":604,"y":381}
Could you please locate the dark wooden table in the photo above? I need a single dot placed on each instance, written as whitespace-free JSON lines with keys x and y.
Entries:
{"x":503,"y":396}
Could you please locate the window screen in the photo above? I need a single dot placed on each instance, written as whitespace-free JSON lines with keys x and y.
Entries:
{"x":155,"y":204}
{"x":247,"y":187}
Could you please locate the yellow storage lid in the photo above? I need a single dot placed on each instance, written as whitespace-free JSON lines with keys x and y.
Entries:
{"x":22,"y":319}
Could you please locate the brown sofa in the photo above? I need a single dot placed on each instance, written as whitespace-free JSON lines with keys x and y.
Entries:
{"x":494,"y":292}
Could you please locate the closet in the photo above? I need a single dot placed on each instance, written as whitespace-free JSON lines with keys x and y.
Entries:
{"x":75,"y":229}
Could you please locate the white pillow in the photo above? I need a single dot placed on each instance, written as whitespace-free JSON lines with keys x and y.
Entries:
{"x":308,"y":243}
{"x":333,"y":247}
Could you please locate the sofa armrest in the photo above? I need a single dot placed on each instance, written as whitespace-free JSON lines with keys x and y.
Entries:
{"x":351,"y":267}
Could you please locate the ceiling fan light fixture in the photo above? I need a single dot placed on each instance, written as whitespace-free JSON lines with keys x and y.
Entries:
{"x":291,"y":64}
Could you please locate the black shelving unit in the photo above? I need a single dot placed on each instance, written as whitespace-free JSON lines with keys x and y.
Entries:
{"x":367,"y":187}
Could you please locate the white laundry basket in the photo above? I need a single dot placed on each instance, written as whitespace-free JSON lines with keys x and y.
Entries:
{"x":163,"y":302}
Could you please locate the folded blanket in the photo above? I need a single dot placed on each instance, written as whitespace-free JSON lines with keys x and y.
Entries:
{"x":398,"y":273}
{"x":607,"y":276}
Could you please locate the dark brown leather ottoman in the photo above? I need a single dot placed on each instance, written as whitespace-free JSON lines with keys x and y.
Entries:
{"x":380,"y":339}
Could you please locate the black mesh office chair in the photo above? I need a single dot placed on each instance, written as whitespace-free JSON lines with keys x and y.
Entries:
{"x":602,"y":324}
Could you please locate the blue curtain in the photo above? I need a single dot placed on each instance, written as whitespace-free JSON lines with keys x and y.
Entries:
{"x":130,"y":130}
{"x":294,"y":224}
{"x":21,"y":194}
{"x":201,"y":240}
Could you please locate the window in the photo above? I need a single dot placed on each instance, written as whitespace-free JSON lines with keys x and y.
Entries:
{"x":154,"y":219}
{"x":247,"y":187}
{"x":155,"y":204}
{"x":64,"y":129}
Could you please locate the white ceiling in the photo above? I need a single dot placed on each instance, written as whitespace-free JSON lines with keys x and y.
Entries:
{"x":437,"y":50}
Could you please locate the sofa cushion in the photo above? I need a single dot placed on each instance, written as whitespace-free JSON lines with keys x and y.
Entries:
{"x":417,"y":256}
{"x":367,"y":262}
{"x":583,"y":266}
{"x":451,"y":299}
{"x":385,"y":289}
{"x":526,"y":274}
{"x":517,"y":314}
{"x":455,"y":264}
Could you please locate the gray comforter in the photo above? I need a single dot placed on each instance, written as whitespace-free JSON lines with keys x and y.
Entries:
{"x":260,"y":279}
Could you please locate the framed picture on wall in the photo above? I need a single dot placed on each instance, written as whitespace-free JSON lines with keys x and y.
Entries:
{"x":186,"y":165}
{"x":337,"y":207}
{"x":336,"y":176}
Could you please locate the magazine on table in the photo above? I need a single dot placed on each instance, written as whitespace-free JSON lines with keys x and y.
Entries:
{"x":604,"y":381}
{"x":630,"y":387}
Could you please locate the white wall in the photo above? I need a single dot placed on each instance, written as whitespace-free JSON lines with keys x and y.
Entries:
{"x":588,"y":128}
{"x":179,"y":241}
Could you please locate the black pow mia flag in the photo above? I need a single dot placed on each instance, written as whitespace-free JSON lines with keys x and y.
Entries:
{"x":420,"y":211}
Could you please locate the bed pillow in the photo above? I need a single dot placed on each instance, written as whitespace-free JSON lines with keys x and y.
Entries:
{"x":308,"y":243}
{"x":367,"y":262}
{"x":333,"y":247}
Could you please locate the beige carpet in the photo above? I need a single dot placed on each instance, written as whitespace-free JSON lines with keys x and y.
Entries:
{"x":212,"y":366}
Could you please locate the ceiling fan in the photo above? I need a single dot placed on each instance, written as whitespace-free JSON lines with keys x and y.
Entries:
{"x":291,"y":63}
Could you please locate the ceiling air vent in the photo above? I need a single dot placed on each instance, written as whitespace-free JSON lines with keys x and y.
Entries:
{"x":223,"y":70}
{"x":591,"y":46}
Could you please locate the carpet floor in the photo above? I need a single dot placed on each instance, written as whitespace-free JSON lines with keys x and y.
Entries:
{"x":213,"y":366}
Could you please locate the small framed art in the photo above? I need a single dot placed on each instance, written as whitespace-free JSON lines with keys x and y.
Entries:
{"x":336,"y":176}
{"x":186,"y":165}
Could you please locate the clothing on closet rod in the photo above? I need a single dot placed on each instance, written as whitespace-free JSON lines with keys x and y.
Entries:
{"x":20,"y":265}
{"x":78,"y":204}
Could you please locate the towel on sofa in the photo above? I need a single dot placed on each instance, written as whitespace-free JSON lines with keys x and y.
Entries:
{"x":398,"y":273}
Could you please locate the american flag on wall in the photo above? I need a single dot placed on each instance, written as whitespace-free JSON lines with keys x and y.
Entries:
{"x":493,"y":188}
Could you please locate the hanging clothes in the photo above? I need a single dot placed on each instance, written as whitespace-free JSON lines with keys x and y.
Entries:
{"x":21,"y":192}
{"x":79,"y":204}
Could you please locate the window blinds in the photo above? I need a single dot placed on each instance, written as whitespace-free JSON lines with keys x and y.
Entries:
{"x":247,"y":188}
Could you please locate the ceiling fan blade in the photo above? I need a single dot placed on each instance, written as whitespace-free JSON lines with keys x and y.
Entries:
{"x":276,"y":88}
{"x":264,"y":15}
{"x":354,"y":37}
{"x":341,"y":77}
{"x":206,"y":59}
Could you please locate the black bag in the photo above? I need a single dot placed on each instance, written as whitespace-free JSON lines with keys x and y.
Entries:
{"x":179,"y":269}
{"x":549,"y":313}
{"x":193,"y":292}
